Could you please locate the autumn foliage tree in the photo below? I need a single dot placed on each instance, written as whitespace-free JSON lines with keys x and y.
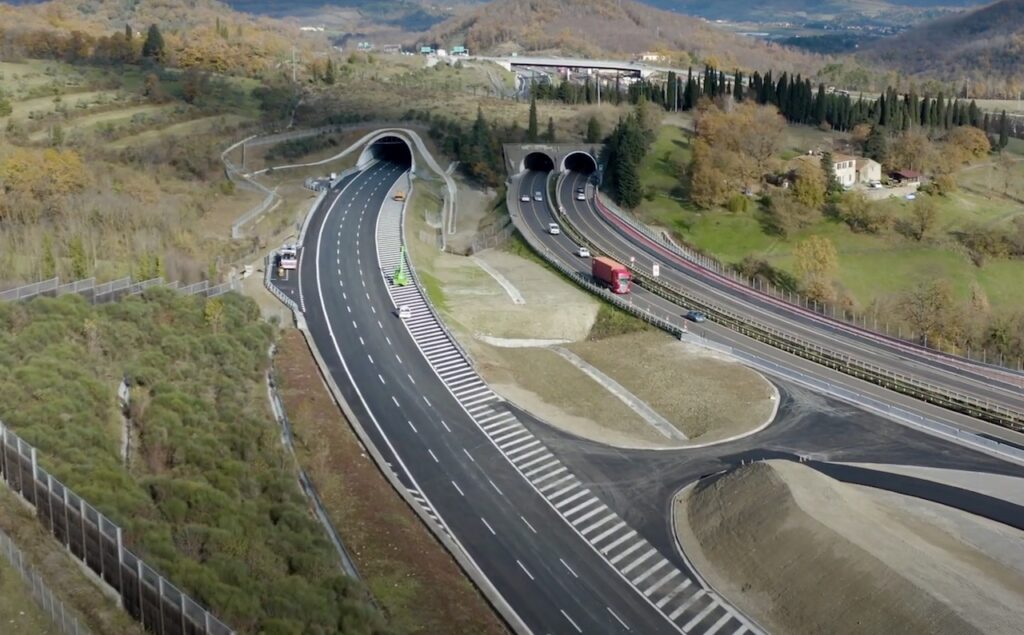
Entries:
{"x":816,"y":265}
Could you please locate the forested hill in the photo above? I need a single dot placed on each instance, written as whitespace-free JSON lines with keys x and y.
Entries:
{"x":603,"y":27}
{"x":984,"y":47}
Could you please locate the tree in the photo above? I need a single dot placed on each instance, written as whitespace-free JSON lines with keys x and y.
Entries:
{"x":593,"y":130}
{"x":788,"y":215}
{"x":876,"y":146}
{"x":922,"y":217}
{"x":1004,"y":130}
{"x":213,"y":313}
{"x":860,"y":214}
{"x":551,"y":130}
{"x":128,"y":35}
{"x":628,"y":179}
{"x":832,"y":184}
{"x":931,"y":310}
{"x":330,"y":73}
{"x":5,"y":105}
{"x":967,"y":143}
{"x":816,"y":264}
{"x":810,"y":185}
{"x":153,"y":89}
{"x":153,"y":48}
{"x":49,"y":262}
{"x":79,"y":261}
{"x":532,"y":131}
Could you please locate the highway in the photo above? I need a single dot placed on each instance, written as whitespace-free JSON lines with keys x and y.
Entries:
{"x":462,"y":452}
{"x":613,"y":240}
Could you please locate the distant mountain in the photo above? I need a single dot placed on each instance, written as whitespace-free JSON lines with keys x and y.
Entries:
{"x":984,"y":47}
{"x":824,"y":10}
{"x":610,"y":27}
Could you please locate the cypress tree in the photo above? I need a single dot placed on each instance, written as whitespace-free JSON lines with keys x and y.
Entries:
{"x":128,"y":32}
{"x":737,"y":86}
{"x":551,"y":130}
{"x":1004,"y":130}
{"x":671,"y":92}
{"x":593,"y":130}
{"x":153,"y":48}
{"x":531,"y":129}
{"x":974,"y":114}
{"x":876,"y":147}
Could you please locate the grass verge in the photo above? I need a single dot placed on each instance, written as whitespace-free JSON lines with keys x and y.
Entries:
{"x":612,"y":321}
{"x":417,"y":583}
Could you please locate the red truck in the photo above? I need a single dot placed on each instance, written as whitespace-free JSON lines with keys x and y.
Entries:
{"x":611,"y":274}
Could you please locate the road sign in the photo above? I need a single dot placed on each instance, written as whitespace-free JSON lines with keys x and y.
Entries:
{"x":655,"y":270}
{"x":632,"y":260}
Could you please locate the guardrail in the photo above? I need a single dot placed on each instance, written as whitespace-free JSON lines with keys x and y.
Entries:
{"x":842,"y":362}
{"x":97,"y":542}
{"x":581,"y":280}
{"x":798,"y":302}
{"x":64,"y":619}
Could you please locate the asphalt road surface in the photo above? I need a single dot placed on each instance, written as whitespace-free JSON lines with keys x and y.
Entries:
{"x":622,"y":242}
{"x":553,"y":579}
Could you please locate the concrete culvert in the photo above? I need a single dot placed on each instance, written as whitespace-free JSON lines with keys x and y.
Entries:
{"x":580,"y":162}
{"x":538,"y":162}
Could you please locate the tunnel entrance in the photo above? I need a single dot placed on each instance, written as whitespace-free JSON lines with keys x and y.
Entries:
{"x":538,"y":162}
{"x":580,"y":162}
{"x":391,"y":149}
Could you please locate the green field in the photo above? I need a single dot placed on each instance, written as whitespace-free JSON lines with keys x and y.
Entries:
{"x":871,"y":266}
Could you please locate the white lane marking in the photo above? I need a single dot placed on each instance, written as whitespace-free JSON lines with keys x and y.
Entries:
{"x":529,"y":525}
{"x":699,"y":617}
{"x":566,"y":565}
{"x":427,"y":401}
{"x":646,"y":574}
{"x":408,"y":375}
{"x":361,"y":342}
{"x":349,"y":308}
{"x":354,"y":325}
{"x":413,"y":427}
{"x":458,"y":488}
{"x":469,"y":455}
{"x":491,"y":529}
{"x":381,"y":377}
{"x":344,"y":296}
{"x":389,"y":341}
{"x":380,"y":325}
{"x":494,"y":486}
{"x":398,"y":358}
{"x":530,"y":575}
{"x":445,"y":425}
{"x":432,"y":455}
{"x":395,"y":399}
{"x":617,"y":618}
{"x":574,"y":625}
{"x":369,"y":357}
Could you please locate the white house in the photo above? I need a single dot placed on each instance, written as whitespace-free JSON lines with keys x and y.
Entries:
{"x":868,"y":170}
{"x":845,"y":168}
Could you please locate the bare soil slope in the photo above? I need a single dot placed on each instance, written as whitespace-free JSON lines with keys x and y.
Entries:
{"x":803,"y":553}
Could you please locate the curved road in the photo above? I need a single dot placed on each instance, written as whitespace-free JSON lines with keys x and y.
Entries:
{"x":621,"y":241}
{"x":555,"y":580}
{"x":618,"y":243}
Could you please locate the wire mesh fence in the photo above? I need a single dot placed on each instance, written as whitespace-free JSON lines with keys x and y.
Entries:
{"x":62,"y":617}
{"x":97,"y":542}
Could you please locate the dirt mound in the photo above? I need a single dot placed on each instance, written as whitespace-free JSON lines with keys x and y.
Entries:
{"x":803,"y":553}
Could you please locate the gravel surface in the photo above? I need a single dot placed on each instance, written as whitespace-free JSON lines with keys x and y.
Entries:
{"x":803,"y":553}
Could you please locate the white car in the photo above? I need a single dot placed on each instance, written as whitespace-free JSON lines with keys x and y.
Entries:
{"x":554,"y":229}
{"x":404,"y":312}
{"x":583,"y":252}
{"x":581,"y":194}
{"x":537,"y":196}
{"x":525,"y":198}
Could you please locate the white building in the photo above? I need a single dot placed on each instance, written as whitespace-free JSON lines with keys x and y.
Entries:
{"x":868,"y":170}
{"x":845,"y":168}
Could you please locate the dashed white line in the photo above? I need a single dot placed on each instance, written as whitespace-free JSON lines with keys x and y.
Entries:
{"x":427,"y":401}
{"x":491,"y":529}
{"x":493,"y":485}
{"x":381,"y":377}
{"x":569,"y":568}
{"x":395,"y":399}
{"x":432,"y":455}
{"x":456,"y":485}
{"x":617,"y":618}
{"x":469,"y":455}
{"x":574,"y":624}
{"x":361,"y":342}
{"x":445,"y":425}
{"x":528,"y":524}
{"x":409,"y":376}
{"x":530,"y":575}
{"x":413,"y":427}
{"x":369,"y":357}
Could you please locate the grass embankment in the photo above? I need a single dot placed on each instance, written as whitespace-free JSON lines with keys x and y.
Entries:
{"x":209,"y":497}
{"x":417,"y":583}
{"x":18,"y":610}
{"x":870,"y":266}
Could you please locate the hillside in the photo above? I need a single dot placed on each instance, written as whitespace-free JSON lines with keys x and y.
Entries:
{"x":609,"y":27}
{"x":984,"y":47}
{"x":826,"y":10}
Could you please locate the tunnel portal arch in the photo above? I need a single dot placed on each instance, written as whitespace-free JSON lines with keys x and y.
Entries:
{"x":388,"y":146}
{"x":537,"y":161}
{"x":579,"y":161}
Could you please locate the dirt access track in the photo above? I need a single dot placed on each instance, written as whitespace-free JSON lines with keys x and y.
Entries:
{"x":802,"y":553}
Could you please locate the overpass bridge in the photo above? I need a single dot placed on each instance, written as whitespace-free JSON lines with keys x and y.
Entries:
{"x":618,"y":66}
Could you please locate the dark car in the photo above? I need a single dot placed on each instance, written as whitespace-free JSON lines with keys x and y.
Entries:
{"x":695,"y":316}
